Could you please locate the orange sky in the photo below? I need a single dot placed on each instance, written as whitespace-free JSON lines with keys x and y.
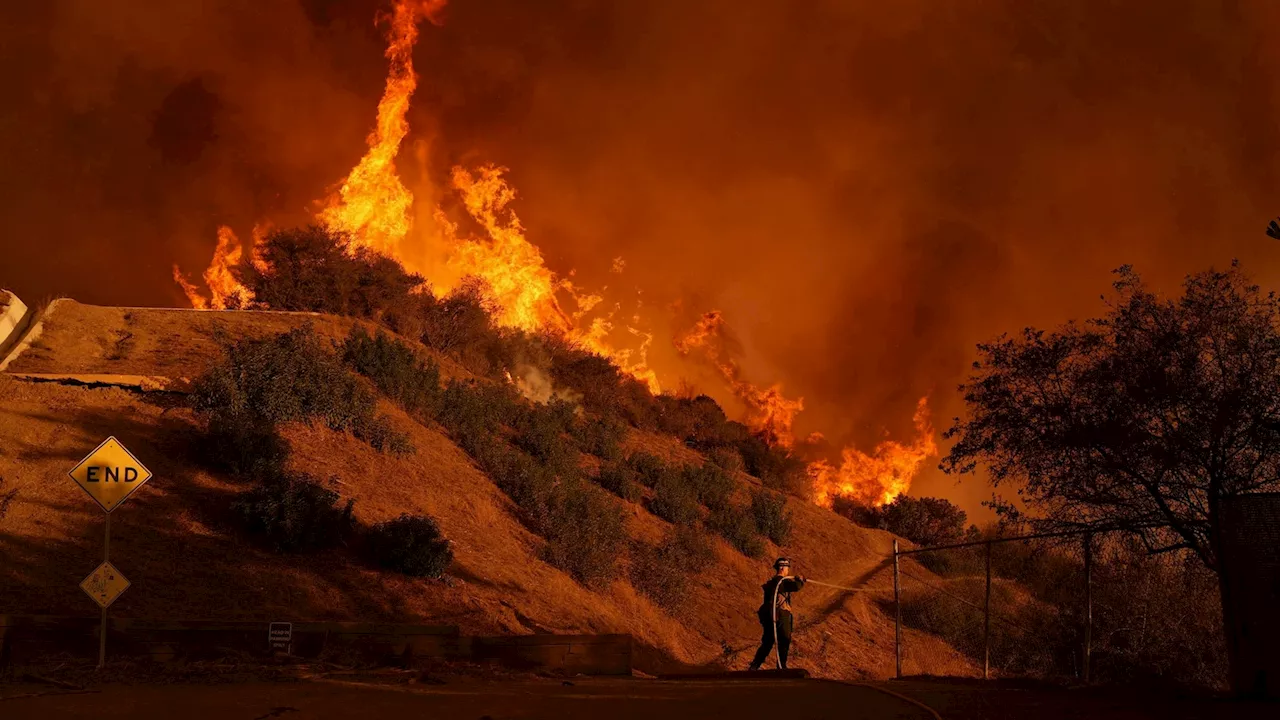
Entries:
{"x":864,"y":189}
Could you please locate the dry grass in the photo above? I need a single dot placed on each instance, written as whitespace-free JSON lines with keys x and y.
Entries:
{"x":174,"y":541}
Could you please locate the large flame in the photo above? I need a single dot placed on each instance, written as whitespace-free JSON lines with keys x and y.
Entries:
{"x":878,"y":478}
{"x":372,"y":205}
{"x":769,"y":413}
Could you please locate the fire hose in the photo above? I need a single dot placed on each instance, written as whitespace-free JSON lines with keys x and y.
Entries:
{"x":777,"y":652}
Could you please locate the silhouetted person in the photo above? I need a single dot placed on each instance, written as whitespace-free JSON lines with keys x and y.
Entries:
{"x":775,"y":614}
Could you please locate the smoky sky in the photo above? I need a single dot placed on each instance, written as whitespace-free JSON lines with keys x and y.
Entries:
{"x":865,"y":189}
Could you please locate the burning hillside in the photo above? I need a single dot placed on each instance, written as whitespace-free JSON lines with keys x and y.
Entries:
{"x":373,"y":208}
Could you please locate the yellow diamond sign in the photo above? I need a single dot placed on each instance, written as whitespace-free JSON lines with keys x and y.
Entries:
{"x":110,"y":474}
{"x":105,"y":584}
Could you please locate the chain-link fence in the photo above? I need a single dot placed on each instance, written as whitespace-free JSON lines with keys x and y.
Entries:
{"x":1061,"y":607}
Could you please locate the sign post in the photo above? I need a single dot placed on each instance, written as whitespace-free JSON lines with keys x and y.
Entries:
{"x":109,"y":474}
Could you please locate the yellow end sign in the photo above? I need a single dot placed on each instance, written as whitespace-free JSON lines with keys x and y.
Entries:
{"x":110,"y":474}
{"x":105,"y":584}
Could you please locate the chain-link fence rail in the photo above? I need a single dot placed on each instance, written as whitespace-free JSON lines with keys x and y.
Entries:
{"x":1063,"y":606}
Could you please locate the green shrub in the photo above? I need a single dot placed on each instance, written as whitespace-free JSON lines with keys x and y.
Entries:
{"x":710,"y":484}
{"x":736,"y":525}
{"x":395,"y":369}
{"x":663,"y":572}
{"x":674,"y":500}
{"x":601,"y":436}
{"x":294,"y":513}
{"x":586,"y":533}
{"x":771,"y":516}
{"x":410,"y":544}
{"x":621,"y":480}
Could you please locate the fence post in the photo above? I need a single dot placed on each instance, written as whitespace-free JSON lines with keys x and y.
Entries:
{"x":986,"y":622}
{"x":897,"y":615}
{"x":1088,"y":604}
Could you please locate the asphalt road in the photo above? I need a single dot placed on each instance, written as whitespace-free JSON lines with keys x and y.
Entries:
{"x":614,"y":699}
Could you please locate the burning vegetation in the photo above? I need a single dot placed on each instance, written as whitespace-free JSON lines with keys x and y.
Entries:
{"x":489,"y":280}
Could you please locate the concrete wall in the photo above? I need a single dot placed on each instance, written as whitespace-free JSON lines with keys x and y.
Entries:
{"x":24,"y":639}
{"x":14,"y":317}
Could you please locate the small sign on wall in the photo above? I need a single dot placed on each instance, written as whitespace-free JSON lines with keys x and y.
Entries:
{"x":280,"y":635}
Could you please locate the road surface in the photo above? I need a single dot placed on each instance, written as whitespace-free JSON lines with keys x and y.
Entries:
{"x":614,"y":699}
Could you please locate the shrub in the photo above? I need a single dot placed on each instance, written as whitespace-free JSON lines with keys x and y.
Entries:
{"x":649,"y":468}
{"x":621,"y":480}
{"x":244,"y":445}
{"x":395,"y":369}
{"x":383,"y":437}
{"x":776,"y":467}
{"x":585,"y":532}
{"x":771,"y":517}
{"x":472,"y":412}
{"x":290,"y":377}
{"x":540,"y":431}
{"x":294,"y":513}
{"x":663,"y":571}
{"x":924,"y":521}
{"x":316,"y":269}
{"x":726,"y":458}
{"x":710,"y":484}
{"x":601,"y":436}
{"x":460,"y":320}
{"x":736,"y":525}
{"x":262,"y":383}
{"x":674,"y":500}
{"x":410,"y":544}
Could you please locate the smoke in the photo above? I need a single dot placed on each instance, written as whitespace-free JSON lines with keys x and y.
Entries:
{"x":863,"y":189}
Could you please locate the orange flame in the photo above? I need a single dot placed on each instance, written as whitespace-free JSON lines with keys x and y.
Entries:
{"x":769,"y":412}
{"x":878,"y":478}
{"x":224,"y":289}
{"x":372,"y":205}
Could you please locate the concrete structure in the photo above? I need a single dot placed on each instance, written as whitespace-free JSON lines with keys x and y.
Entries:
{"x":14,"y":318}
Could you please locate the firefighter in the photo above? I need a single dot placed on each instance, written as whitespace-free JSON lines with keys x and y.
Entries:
{"x":775,"y":613}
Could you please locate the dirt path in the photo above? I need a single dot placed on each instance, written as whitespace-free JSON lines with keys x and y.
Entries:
{"x":617,"y":699}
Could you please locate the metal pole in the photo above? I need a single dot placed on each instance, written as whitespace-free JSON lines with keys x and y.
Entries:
{"x":986,"y":626}
{"x":102,"y":631}
{"x":897,"y":615}
{"x":1088,"y":603}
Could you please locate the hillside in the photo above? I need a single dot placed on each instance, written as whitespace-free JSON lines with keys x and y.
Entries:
{"x":174,"y":541}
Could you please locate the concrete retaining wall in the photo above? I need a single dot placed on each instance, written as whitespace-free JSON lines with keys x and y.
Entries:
{"x":24,"y":639}
{"x":14,"y":318}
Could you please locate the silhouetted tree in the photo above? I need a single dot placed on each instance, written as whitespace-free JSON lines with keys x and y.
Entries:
{"x":1144,"y":419}
{"x":925,"y":521}
{"x":316,"y":269}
